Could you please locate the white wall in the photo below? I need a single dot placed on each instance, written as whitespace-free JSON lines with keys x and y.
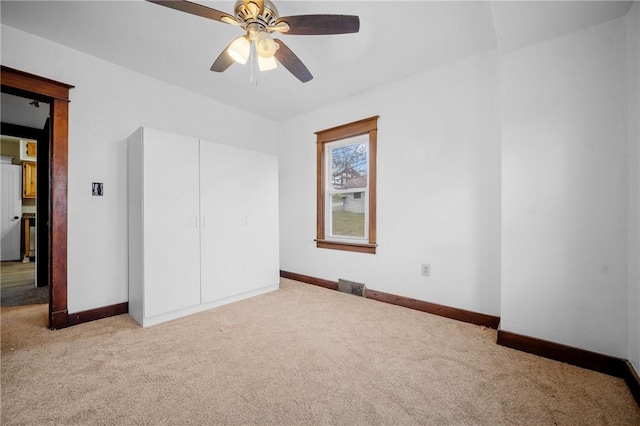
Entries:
{"x":632,"y":21}
{"x":567,"y":245}
{"x":438,"y":188}
{"x":564,"y":198}
{"x":107,"y":104}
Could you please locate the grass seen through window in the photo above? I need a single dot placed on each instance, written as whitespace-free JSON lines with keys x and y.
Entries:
{"x":347,"y":224}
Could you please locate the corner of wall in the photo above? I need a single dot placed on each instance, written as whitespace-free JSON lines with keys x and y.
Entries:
{"x":564,"y":155}
{"x":632,"y":27}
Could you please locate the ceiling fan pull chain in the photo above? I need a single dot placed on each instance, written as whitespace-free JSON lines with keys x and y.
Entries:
{"x":254,"y":74}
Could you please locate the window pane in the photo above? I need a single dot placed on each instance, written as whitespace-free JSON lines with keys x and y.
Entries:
{"x":349,"y":166}
{"x":348,"y":215}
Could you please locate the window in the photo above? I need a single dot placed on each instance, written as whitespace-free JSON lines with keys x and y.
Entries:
{"x":346,"y":187}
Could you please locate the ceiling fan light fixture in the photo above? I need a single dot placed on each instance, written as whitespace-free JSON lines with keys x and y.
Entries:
{"x":259,"y":19}
{"x":265,"y":46}
{"x":267,"y":64}
{"x":240,"y":49}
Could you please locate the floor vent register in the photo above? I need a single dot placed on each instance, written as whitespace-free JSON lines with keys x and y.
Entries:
{"x":351,"y":287}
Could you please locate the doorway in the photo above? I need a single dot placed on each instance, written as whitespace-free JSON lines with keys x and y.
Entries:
{"x":52,"y":229}
{"x":25,"y":154}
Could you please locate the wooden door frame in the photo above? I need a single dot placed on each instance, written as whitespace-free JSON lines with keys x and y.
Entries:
{"x":57,"y":94}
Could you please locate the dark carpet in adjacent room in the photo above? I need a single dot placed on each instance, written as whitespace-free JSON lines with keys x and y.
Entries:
{"x":25,"y":294}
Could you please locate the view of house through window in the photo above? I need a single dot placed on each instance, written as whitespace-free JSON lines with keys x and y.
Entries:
{"x":346,"y":184}
{"x":347,"y":187}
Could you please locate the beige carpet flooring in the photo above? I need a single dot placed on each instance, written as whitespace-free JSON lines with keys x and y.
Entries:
{"x":300,"y":355}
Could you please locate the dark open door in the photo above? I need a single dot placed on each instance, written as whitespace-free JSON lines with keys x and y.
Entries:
{"x":43,"y":208}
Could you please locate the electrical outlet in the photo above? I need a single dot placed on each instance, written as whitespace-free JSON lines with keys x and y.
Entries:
{"x":426,"y":270}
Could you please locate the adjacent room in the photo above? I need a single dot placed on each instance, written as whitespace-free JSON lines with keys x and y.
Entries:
{"x":304,"y":212}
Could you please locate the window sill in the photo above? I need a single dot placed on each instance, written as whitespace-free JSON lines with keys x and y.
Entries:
{"x":341,"y":245}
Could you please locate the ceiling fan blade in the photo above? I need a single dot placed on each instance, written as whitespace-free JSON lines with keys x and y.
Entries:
{"x":291,"y":62}
{"x":321,"y":24}
{"x":223,"y":61}
{"x":254,"y":9}
{"x":194,"y":9}
{"x":281,"y":27}
{"x":230,"y":21}
{"x":260,"y":4}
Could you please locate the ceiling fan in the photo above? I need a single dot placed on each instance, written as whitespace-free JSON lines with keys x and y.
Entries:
{"x":260,"y":19}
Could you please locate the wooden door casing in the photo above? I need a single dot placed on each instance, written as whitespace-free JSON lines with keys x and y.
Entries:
{"x":57,"y":94}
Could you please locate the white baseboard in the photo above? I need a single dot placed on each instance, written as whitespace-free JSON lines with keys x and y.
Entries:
{"x":157,"y":319}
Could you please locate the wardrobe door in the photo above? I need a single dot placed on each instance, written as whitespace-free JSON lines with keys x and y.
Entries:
{"x":260,"y":231}
{"x":171,"y":222}
{"x":221,"y":199}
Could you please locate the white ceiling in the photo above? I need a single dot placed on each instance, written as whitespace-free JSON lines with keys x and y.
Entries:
{"x":519,"y":24}
{"x":18,"y":110}
{"x":397,"y":39}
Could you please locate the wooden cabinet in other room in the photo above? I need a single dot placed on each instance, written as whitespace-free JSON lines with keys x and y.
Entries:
{"x":29,"y":170}
{"x":32,"y":149}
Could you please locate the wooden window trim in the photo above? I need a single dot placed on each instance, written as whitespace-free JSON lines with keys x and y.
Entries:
{"x":362,"y":127}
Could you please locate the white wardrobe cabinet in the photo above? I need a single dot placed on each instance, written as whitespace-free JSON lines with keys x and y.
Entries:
{"x":203,"y":225}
